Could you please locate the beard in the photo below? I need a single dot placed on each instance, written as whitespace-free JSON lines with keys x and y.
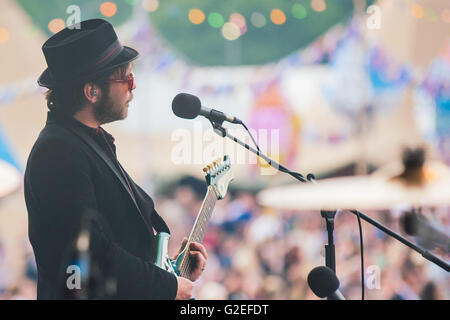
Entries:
{"x":109,"y":110}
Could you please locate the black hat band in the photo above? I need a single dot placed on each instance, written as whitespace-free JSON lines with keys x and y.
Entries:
{"x":106,"y":56}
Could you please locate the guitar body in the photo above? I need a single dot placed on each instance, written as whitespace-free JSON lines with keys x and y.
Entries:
{"x":218,"y":176}
{"x":161,"y":250}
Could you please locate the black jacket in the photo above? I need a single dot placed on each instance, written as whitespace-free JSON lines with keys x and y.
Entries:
{"x":65,"y":178}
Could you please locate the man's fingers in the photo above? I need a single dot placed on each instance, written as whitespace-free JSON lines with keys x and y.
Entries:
{"x":195,"y":246}
{"x":183,"y":244}
{"x":200,"y":260}
{"x":199,"y":265}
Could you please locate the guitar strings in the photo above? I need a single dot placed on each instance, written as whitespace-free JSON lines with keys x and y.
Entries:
{"x":197,"y":236}
{"x":202,"y":225}
{"x":186,"y":268}
{"x":185,"y":265}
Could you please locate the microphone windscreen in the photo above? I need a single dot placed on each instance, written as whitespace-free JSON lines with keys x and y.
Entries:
{"x":186,"y":106}
{"x":323,"y":281}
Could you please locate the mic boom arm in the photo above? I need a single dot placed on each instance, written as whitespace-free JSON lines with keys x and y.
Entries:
{"x":221,"y":131}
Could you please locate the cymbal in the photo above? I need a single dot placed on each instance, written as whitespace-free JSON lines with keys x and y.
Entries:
{"x":10,"y":179}
{"x":387,"y":187}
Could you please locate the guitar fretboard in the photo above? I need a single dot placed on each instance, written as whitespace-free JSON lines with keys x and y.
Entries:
{"x":198,"y":230}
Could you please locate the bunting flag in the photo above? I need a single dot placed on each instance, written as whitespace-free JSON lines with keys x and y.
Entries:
{"x":10,"y":179}
{"x":10,"y":176}
{"x":432,"y":110}
{"x":386,"y":75}
{"x":359,"y":74}
{"x":6,"y":151}
{"x":272,"y":117}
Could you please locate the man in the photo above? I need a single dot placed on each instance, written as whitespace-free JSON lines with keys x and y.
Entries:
{"x":73,"y":173}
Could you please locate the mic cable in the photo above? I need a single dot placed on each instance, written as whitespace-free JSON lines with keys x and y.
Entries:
{"x":361,"y":244}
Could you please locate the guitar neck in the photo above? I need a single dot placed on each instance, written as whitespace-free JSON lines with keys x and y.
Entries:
{"x":198,"y":230}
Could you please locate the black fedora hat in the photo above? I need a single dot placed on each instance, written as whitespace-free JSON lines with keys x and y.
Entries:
{"x":80,"y":54}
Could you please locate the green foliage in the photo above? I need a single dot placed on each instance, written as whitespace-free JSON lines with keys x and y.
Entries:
{"x":43,"y":11}
{"x":204,"y":45}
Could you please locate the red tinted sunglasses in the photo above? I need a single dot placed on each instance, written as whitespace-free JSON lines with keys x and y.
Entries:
{"x":129,"y":80}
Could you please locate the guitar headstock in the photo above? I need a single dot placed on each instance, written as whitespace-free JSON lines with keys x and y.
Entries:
{"x":219,"y":175}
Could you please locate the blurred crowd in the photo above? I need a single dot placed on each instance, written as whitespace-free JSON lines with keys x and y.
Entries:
{"x":260,"y":253}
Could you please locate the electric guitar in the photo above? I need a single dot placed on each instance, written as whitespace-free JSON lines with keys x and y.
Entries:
{"x":218,"y":176}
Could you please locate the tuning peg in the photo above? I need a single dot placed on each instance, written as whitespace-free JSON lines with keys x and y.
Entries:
{"x":205,"y":169}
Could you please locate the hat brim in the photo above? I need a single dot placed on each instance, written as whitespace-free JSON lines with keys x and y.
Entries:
{"x":127,"y":55}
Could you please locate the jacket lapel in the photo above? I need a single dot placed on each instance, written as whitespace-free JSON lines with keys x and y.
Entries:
{"x":148,"y":207}
{"x":94,"y":146}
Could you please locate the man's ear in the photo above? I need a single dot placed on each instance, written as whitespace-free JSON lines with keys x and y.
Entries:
{"x":92,"y":92}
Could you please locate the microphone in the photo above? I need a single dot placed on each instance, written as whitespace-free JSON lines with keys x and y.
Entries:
{"x":416,"y":224}
{"x":188,"y":106}
{"x":324,"y":283}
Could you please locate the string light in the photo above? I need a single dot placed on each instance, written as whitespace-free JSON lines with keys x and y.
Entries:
{"x":230,"y":31}
{"x":108,"y":9}
{"x":56,"y":25}
{"x":417,"y":11}
{"x":215,"y":20}
{"x":277,"y":16}
{"x":239,"y":20}
{"x":318,"y":5}
{"x":196,"y":16}
{"x":258,"y":20}
{"x":150,"y":5}
{"x":4,"y":35}
{"x":299,"y":11}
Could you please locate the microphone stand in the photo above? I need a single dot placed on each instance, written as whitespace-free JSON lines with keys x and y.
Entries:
{"x":329,"y":216}
{"x":330,"y":251}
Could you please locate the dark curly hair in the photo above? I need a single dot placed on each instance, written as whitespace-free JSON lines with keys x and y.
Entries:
{"x":71,"y":99}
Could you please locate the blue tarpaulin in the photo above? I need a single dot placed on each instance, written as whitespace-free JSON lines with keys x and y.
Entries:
{"x":6,"y":151}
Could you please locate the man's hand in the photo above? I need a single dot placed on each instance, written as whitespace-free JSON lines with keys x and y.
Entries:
{"x":185,"y":287}
{"x":199,"y":256}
